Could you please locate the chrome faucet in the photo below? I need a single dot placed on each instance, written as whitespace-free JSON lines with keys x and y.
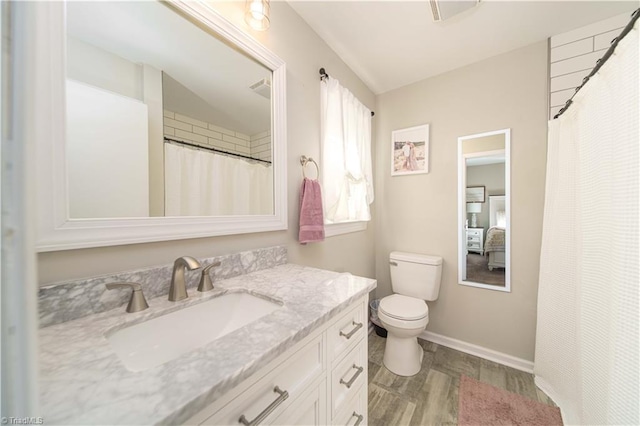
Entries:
{"x":178,"y":289}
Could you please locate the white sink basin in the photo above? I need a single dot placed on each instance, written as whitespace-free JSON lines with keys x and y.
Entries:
{"x":162,"y":339}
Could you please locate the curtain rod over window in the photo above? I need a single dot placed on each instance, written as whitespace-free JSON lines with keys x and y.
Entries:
{"x":601,"y":61}
{"x":206,"y":148}
{"x":323,"y":75}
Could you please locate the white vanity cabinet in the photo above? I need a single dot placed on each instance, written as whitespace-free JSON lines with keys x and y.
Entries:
{"x":320,"y":380}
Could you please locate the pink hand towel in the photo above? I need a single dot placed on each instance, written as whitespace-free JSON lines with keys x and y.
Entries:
{"x":311,"y":216}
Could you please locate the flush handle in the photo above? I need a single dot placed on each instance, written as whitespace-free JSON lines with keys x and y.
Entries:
{"x":282,"y":395}
{"x":359,"y":371}
{"x":392,"y":263}
{"x":359,"y":418}
{"x":358,"y":326}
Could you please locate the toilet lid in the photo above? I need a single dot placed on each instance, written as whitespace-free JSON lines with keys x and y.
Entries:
{"x":404,"y":307}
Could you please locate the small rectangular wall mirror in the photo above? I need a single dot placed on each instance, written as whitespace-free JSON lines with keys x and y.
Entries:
{"x":173,"y":126}
{"x":484,"y":210}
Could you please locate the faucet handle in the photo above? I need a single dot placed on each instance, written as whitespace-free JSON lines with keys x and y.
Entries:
{"x":205,"y":280}
{"x":137,"y":302}
{"x":208,"y":267}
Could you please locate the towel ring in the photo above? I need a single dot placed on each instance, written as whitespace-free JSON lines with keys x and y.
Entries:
{"x":304,"y":160}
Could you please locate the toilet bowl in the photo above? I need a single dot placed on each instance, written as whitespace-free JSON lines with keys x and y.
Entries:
{"x":415,"y":279}
{"x":404,"y":318}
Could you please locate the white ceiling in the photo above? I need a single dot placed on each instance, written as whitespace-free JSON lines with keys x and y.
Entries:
{"x":390,"y":44}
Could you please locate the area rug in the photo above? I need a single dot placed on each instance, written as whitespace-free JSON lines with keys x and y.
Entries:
{"x":483,"y":404}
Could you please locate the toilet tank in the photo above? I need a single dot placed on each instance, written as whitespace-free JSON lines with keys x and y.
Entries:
{"x":415,"y":275}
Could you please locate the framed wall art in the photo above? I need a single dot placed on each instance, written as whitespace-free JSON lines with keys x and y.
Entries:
{"x":410,"y":151}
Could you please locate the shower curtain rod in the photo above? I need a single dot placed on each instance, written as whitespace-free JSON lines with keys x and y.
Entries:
{"x":323,"y":75}
{"x":206,"y":148}
{"x":601,"y":61}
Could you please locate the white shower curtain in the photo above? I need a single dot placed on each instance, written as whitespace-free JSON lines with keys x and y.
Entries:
{"x":203,"y":183}
{"x":587,"y":333}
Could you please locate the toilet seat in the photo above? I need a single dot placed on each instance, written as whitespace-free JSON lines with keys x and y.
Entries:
{"x":403,"y":308}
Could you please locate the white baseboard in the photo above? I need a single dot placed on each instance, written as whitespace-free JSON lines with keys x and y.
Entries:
{"x":479,"y":351}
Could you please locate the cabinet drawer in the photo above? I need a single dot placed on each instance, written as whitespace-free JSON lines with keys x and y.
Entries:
{"x":473,"y":232}
{"x":348,"y":376}
{"x":292,"y":376}
{"x":347,"y":331}
{"x":354,"y":412}
{"x":308,"y":410}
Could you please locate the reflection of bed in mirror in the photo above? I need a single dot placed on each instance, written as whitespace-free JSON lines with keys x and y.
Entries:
{"x":494,"y":245}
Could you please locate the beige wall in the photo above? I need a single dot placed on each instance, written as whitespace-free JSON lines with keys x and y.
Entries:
{"x":152,"y":97}
{"x":485,"y":143}
{"x":418,"y":213}
{"x":103,"y":69}
{"x":304,"y":54}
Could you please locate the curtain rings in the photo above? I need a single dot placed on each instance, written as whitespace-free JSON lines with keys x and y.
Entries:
{"x":304,"y":160}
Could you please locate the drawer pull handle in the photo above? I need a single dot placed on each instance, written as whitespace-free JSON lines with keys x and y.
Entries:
{"x":360,"y":418}
{"x":282,"y":395}
{"x":358,"y":326}
{"x":359,"y":371}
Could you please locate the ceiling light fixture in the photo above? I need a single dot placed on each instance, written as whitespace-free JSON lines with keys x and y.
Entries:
{"x":256,"y":14}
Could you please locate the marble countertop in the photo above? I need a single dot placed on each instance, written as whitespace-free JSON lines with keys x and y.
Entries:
{"x":82,"y":380}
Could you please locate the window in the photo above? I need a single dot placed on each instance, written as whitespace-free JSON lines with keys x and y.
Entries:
{"x":347,"y":181}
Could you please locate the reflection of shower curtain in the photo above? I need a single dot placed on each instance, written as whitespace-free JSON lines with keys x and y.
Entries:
{"x":202,"y":183}
{"x":587,"y":333}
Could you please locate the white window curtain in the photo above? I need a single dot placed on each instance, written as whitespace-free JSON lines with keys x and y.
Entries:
{"x":588,"y":324}
{"x":347,"y":180}
{"x":203,"y":183}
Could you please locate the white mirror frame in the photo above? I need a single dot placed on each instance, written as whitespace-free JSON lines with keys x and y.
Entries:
{"x":462,"y":210}
{"x":55,"y":230}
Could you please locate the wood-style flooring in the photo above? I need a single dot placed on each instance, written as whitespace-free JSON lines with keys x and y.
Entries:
{"x":431,"y":396}
{"x":478,"y":271}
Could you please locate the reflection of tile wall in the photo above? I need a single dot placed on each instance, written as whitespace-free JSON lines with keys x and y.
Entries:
{"x":183,"y":128}
{"x":574,"y":54}
{"x":261,"y":145}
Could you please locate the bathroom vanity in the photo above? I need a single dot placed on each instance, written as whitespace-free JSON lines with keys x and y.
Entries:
{"x":304,"y":362}
{"x":321,"y":380}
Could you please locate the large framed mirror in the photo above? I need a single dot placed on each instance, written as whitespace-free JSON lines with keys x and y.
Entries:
{"x":484,"y":214}
{"x":166,"y":122}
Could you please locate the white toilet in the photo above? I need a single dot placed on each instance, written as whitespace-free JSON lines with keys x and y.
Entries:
{"x":415,"y":278}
